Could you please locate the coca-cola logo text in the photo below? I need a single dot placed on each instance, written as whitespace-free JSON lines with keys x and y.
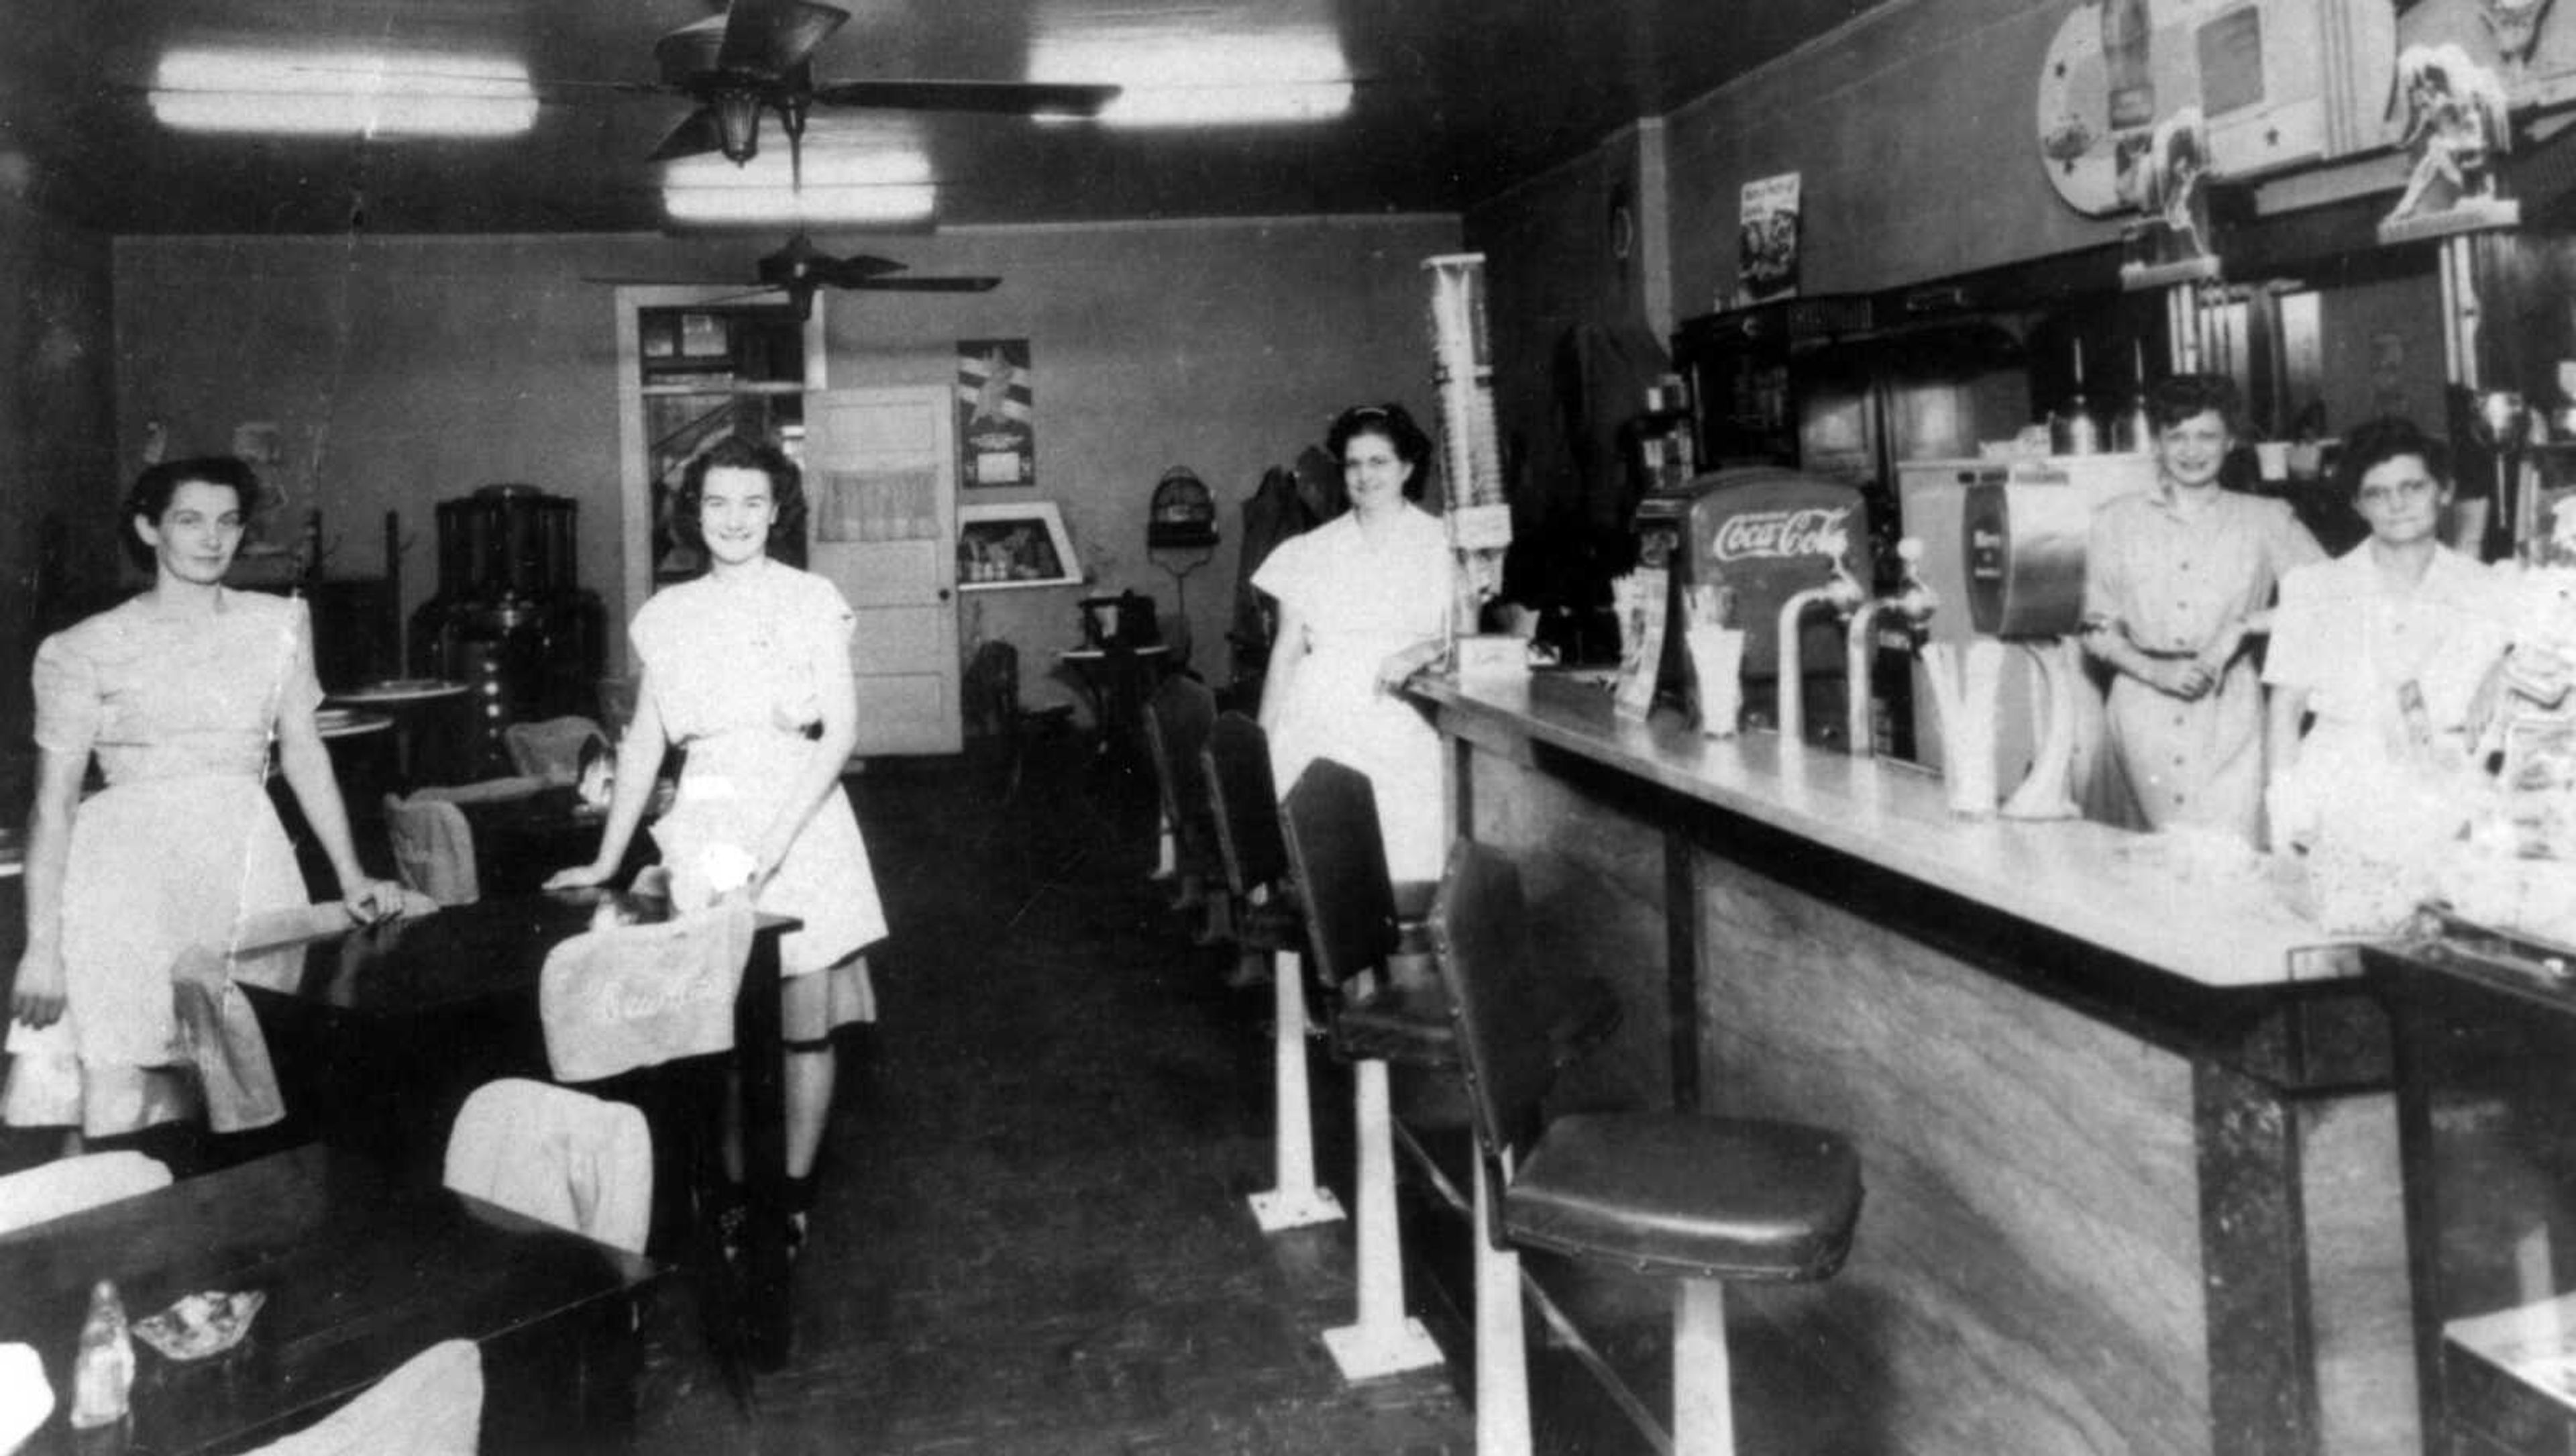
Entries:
{"x":1814,"y":531}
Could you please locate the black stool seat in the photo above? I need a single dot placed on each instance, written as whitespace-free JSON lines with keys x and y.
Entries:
{"x":1270,"y":926}
{"x":1408,"y":1019}
{"x":1676,"y":1193}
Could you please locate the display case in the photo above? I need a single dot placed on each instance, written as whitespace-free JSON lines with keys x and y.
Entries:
{"x":2484,"y":1026}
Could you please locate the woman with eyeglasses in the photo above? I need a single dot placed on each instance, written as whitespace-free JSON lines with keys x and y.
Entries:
{"x":2387,"y":646}
{"x":1364,"y":605}
{"x":2177,"y":580}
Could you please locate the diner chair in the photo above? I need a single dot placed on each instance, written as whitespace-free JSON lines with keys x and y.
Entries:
{"x":433,"y":848}
{"x":67,"y":1186}
{"x":1177,"y":720}
{"x":558,"y":1156}
{"x":1270,"y":932}
{"x":1702,"y":1200}
{"x":553,"y":750}
{"x":1371,"y":954}
{"x":430,"y":1405}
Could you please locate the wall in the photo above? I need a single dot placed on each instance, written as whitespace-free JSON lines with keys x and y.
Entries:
{"x":56,"y":455}
{"x":405,"y":371}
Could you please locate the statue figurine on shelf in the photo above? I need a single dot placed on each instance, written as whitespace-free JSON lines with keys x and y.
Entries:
{"x":2458,"y":122}
{"x":2164,"y":173}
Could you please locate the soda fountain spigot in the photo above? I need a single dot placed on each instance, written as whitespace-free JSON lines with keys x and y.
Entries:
{"x":1841,"y":592}
{"x":1915,"y":603}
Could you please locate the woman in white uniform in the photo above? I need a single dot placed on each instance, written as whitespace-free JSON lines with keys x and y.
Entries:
{"x":748,"y":667}
{"x":2388,"y":646}
{"x":1363,"y":605}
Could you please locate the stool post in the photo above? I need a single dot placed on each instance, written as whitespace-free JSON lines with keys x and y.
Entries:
{"x":1385,"y":1340}
{"x":1293,"y":1199}
{"x":1502,"y":1359}
{"x":1703,"y":1403}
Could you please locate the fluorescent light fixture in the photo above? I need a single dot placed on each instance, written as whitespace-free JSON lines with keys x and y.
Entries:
{"x":341,"y":92}
{"x":1265,"y":76}
{"x":864,"y":185}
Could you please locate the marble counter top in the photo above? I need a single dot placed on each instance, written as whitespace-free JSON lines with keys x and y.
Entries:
{"x":2137,"y":895}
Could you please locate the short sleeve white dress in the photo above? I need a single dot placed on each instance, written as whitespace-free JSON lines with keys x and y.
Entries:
{"x":737,"y":666}
{"x":179,"y":850}
{"x":1364,"y":600}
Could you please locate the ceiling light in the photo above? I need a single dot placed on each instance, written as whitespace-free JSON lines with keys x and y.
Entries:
{"x":1262,"y":76}
{"x":859,"y":185}
{"x":338,"y":92}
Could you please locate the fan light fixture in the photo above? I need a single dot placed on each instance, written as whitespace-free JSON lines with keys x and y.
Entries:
{"x":1265,"y":77}
{"x":338,"y":92}
{"x":869,"y":185}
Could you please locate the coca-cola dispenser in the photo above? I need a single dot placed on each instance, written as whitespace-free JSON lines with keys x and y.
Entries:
{"x":1767,"y":533}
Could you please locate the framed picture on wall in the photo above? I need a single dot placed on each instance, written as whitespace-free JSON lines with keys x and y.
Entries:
{"x":1025,"y":544}
{"x":996,"y":420}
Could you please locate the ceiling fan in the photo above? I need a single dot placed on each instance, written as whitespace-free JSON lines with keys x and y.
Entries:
{"x":758,"y":56}
{"x":800,"y":270}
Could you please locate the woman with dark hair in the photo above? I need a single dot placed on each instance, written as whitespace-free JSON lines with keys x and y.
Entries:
{"x":1363,"y":605}
{"x":2388,"y":645}
{"x":179,"y":693}
{"x":2175,"y":580}
{"x":748,"y":667}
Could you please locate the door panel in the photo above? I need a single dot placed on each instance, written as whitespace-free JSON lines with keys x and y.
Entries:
{"x":881,"y":484}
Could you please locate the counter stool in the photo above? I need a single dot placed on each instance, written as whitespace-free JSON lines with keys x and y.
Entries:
{"x":1389,"y":1007}
{"x":1705,"y":1200}
{"x":1177,"y":720}
{"x":1269,"y":925}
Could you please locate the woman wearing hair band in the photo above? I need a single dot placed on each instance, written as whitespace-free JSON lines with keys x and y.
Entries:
{"x":1363,"y":605}
{"x":749,"y":668}
{"x":178,"y":692}
{"x":2175,"y":580}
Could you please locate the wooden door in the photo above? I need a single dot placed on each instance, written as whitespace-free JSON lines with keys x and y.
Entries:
{"x":881,"y":523}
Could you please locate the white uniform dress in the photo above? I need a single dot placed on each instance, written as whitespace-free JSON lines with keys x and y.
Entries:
{"x":737,"y":666}
{"x":2353,"y":638}
{"x":178,"y":851}
{"x":1363,"y":601}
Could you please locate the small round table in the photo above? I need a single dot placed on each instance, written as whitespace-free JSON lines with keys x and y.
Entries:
{"x":402,"y":703}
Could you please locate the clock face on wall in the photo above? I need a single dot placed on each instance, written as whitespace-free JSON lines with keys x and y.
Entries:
{"x":2075,"y":136}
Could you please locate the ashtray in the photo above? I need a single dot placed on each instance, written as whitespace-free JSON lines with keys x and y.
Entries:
{"x":198,"y":1325}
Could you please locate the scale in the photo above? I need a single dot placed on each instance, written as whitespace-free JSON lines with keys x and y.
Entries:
{"x":1180,"y":537}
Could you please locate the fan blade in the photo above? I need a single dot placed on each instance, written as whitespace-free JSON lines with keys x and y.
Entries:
{"x":698,"y":132}
{"x":923,"y":285}
{"x":770,"y":37}
{"x":856,"y":269}
{"x":1013,"y":98}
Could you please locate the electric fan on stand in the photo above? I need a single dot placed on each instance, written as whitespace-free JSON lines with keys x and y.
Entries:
{"x":1180,"y":537}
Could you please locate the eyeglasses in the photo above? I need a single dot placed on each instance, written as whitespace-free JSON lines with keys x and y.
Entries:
{"x":2409,"y":490}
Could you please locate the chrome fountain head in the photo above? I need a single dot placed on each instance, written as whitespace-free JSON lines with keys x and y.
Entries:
{"x":1912,"y":601}
{"x":1840,"y":591}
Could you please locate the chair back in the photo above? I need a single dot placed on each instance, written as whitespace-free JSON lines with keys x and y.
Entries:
{"x":553,"y":749}
{"x":1246,"y":800}
{"x":26,"y":1397}
{"x":1338,"y":855}
{"x":1177,"y":721}
{"x":433,"y":848}
{"x":67,"y":1186}
{"x":627,"y":996}
{"x":1480,"y":925}
{"x":558,"y":1156}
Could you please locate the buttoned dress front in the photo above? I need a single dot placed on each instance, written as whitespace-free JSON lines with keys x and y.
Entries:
{"x":2171,"y":582}
{"x":1363,"y":600}
{"x":736,"y":665}
{"x":178,"y":851}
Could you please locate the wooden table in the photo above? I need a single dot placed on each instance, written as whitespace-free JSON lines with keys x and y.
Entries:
{"x":382,"y":1031}
{"x":364,"y":1267}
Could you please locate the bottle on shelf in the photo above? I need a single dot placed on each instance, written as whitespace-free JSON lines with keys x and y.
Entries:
{"x":2073,"y":430}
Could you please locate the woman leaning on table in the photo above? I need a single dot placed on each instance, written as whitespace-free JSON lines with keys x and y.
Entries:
{"x":1364,"y":605}
{"x":2176,"y":580}
{"x":178,"y":693}
{"x":748,"y":667}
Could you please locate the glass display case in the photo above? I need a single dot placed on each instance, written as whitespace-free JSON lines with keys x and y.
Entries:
{"x":2485,"y":1037}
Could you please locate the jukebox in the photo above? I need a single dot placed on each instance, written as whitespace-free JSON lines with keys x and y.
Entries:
{"x":510,"y":620}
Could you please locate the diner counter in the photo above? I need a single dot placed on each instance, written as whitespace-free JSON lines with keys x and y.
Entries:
{"x":2124,"y":1120}
{"x":2181,"y":909}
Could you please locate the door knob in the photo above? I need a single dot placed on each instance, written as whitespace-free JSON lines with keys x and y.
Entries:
{"x":943,"y":593}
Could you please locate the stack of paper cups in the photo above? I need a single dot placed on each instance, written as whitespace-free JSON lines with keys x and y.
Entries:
{"x":1717,"y":664}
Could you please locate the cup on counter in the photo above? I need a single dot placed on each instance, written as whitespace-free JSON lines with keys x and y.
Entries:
{"x":2274,"y":456}
{"x":1717,"y":671}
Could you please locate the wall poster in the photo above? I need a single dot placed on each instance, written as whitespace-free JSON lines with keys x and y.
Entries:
{"x":1768,"y":265}
{"x":996,"y":438}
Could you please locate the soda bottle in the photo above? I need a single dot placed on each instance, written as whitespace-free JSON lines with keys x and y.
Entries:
{"x":103,"y":1370}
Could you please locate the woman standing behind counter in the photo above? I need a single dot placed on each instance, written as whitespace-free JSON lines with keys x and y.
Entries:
{"x":1363,"y":605}
{"x":179,"y":691}
{"x":2175,"y":580}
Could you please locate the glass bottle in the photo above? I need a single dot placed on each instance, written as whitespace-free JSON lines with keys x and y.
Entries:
{"x":103,"y":1369}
